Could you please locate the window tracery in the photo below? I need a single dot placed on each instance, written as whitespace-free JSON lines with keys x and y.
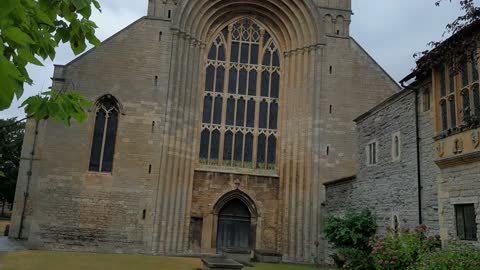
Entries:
{"x":240,"y":107}
{"x":104,"y":136}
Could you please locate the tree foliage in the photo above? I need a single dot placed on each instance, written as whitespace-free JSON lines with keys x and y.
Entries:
{"x":462,"y":41}
{"x":30,"y":30}
{"x":11,"y":132}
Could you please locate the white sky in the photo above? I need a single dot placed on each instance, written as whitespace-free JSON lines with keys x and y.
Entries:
{"x":390,"y":30}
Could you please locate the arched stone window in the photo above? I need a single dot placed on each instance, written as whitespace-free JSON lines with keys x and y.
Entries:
{"x":104,"y":135}
{"x":240,"y":104}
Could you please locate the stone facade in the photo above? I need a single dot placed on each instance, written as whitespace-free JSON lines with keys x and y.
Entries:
{"x":391,"y":186}
{"x":155,"y":69}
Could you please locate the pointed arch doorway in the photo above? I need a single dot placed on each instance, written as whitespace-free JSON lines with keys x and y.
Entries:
{"x":236,"y":223}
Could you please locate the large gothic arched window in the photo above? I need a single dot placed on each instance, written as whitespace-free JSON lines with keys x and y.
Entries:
{"x":240,"y":103}
{"x":104,"y":135}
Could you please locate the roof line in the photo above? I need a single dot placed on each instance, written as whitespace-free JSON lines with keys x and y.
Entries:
{"x":375,"y":61}
{"x":383,"y":103}
{"x":337,"y":181}
{"x":105,"y":41}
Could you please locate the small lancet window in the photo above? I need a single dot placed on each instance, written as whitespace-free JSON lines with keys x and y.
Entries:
{"x":104,"y":135}
{"x":169,"y":14}
{"x":160,"y":34}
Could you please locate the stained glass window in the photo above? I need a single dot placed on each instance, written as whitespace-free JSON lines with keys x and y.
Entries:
{"x":240,"y":119}
{"x":104,"y":135}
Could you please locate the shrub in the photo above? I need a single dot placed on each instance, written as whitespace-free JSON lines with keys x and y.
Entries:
{"x":354,"y":230}
{"x":350,"y":235}
{"x":400,"y":251}
{"x":356,"y":259}
{"x":455,"y":257}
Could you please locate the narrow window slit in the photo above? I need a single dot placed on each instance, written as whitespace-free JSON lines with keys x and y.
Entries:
{"x":169,"y":14}
{"x":144,"y":214}
{"x":153,"y":126}
{"x":331,"y":109}
{"x":150,"y":168}
{"x":331,"y":69}
{"x":156,"y":81}
{"x":160,"y":34}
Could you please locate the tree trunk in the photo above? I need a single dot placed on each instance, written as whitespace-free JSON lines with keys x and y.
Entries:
{"x":3,"y":208}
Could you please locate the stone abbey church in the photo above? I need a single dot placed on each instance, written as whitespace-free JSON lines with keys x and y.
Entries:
{"x":216,"y":125}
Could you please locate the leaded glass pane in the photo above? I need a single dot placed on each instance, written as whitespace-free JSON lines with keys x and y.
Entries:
{"x":465,"y":74}
{"x":451,"y":80}
{"x":273,"y":116}
{"x":275,"y":85}
{"x":466,"y":102}
{"x":251,"y":113}
{"x":265,"y":83}
{"x":443,"y":88}
{"x":235,"y":52}
{"x":230,"y":111}
{"x":207,"y":109}
{"x":228,"y":146}
{"x":204,"y":143}
{"x":476,"y":99}
{"x":220,"y":79}
{"x":444,"y":119}
{"x":242,"y":82}
{"x":215,"y":145}
{"x":221,"y":53}
{"x":261,"y":148}
{"x":97,"y":141}
{"x":209,"y":79}
{"x":240,"y":113}
{"x":252,"y":83}
{"x":453,"y":113}
{"x":248,"y":156}
{"x":263,"y":114}
{"x":272,"y":149}
{"x":110,"y":138}
{"x":217,"y":115}
{"x":244,"y":57}
{"x":238,"y":147}
{"x":266,"y":58}
{"x":212,"y":53}
{"x":232,"y":81}
{"x":275,"y":59}
{"x":254,"y":54}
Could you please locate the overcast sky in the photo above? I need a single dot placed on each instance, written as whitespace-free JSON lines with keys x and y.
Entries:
{"x":390,"y":30}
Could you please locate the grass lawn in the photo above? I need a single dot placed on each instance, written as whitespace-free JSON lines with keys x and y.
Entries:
{"x":42,"y":260}
{"x":3,"y":223}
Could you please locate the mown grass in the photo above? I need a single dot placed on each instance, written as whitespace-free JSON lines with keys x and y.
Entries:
{"x":44,"y":260}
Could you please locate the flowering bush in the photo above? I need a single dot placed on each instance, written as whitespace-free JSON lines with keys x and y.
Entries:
{"x":400,"y":251}
{"x":455,"y":257}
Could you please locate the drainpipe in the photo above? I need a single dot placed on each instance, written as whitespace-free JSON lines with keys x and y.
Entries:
{"x":417,"y":141}
{"x":29,"y":178}
{"x":419,"y":177}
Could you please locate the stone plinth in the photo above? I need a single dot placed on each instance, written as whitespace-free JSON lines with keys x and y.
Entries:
{"x":220,"y":264}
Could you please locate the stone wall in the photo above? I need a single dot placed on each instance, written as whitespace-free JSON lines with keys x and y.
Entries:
{"x":209,"y":187}
{"x":458,"y":184}
{"x":390,"y":188}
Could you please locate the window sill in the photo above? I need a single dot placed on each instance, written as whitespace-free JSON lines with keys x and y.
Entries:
{"x":240,"y":171}
{"x":454,"y":131}
{"x":99,"y":173}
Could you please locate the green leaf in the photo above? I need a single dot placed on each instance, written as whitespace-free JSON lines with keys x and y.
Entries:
{"x":80,"y":4}
{"x":27,"y":56}
{"x":43,"y":17}
{"x":2,"y":174}
{"x":17,"y":36}
{"x":6,"y":6}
